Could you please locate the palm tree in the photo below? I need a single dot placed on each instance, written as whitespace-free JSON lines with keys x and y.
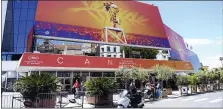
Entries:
{"x":37,"y":85}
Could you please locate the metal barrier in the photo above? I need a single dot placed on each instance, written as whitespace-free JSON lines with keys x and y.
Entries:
{"x":11,"y":101}
{"x":54,"y":100}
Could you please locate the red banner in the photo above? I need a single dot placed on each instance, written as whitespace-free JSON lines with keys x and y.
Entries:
{"x":55,"y":60}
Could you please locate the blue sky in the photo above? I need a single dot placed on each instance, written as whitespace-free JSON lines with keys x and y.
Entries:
{"x":200,"y":23}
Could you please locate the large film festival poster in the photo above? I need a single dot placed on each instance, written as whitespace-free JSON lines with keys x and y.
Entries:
{"x":121,"y":22}
{"x":178,"y":47}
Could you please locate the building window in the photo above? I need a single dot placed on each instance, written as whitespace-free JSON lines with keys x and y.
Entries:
{"x":25,"y":4}
{"x":165,"y":52}
{"x":108,"y":55}
{"x":16,"y":14}
{"x":50,"y":72}
{"x":108,"y":49}
{"x":24,"y":14}
{"x":31,"y":14}
{"x":108,"y":74}
{"x":17,"y":4}
{"x":102,"y":49}
{"x":114,"y":49}
{"x":96,"y":74}
{"x":4,"y":57}
{"x":63,"y":74}
{"x":9,"y":57}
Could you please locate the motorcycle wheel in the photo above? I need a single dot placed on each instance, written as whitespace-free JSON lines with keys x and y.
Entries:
{"x":120,"y":107}
{"x":141,"y":107}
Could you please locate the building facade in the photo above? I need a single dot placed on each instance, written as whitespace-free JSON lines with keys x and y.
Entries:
{"x":19,"y":36}
{"x":110,"y":51}
{"x":19,"y":20}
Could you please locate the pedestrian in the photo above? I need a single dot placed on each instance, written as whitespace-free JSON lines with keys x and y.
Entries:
{"x":59,"y":89}
{"x":77,"y":86}
{"x":82,"y":86}
{"x":74,"y":90}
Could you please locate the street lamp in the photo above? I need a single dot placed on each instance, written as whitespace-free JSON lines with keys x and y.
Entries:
{"x":221,"y":59}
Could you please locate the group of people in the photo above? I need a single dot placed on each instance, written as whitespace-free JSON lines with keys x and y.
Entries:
{"x":155,"y":87}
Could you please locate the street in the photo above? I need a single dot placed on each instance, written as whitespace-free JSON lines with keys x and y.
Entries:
{"x":212,"y":99}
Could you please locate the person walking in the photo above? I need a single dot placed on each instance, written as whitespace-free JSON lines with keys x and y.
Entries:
{"x":74,"y":90}
{"x":59,"y":89}
{"x":82,"y":86}
{"x":77,"y":87}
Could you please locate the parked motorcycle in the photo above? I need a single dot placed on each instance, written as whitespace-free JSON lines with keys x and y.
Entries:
{"x":131,"y":100}
{"x":148,"y":92}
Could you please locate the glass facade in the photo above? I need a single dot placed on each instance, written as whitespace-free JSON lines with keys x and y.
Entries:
{"x":19,"y":20}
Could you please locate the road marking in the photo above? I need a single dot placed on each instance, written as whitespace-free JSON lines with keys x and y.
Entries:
{"x":217,"y":100}
{"x":187,"y":99}
{"x":201,"y":100}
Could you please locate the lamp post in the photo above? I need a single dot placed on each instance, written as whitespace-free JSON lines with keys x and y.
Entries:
{"x":221,"y":59}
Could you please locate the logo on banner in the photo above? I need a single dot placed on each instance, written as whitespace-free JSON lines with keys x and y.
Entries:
{"x":60,"y":60}
{"x":33,"y":60}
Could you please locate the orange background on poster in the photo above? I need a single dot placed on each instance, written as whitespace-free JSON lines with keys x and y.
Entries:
{"x":136,"y":17}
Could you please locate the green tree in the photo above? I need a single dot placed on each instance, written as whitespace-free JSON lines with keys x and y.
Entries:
{"x":201,"y":76}
{"x":164,"y":73}
{"x":133,"y":73}
{"x":145,"y":53}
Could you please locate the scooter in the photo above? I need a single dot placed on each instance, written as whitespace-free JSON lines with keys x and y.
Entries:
{"x":148,"y":93}
{"x":132,"y":100}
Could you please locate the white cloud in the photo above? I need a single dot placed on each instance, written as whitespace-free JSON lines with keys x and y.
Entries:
{"x":203,"y":41}
{"x":220,"y":41}
{"x":197,"y":41}
{"x":215,"y":57}
{"x":212,"y":62}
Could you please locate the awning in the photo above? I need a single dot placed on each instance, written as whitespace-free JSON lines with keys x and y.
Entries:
{"x":58,"y":62}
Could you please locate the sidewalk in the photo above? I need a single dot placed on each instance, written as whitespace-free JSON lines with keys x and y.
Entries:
{"x":67,"y":104}
{"x":175,"y":94}
{"x":7,"y":102}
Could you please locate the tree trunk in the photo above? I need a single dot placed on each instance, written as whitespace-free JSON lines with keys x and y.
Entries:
{"x":141,"y":85}
{"x":126,"y":84}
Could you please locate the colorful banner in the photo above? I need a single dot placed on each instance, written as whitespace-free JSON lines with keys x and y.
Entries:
{"x":193,"y":58}
{"x":69,"y":61}
{"x":178,"y":47}
{"x":118,"y":22}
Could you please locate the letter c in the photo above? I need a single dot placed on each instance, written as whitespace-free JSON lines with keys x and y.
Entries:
{"x":60,"y":60}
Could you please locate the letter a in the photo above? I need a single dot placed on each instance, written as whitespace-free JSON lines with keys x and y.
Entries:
{"x":87,"y":62}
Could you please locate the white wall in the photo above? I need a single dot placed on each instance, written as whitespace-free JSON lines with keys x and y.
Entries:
{"x":113,"y":53}
{"x":3,"y":13}
{"x":9,"y":65}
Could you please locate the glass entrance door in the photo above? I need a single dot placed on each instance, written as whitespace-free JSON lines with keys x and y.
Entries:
{"x":66,"y":80}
